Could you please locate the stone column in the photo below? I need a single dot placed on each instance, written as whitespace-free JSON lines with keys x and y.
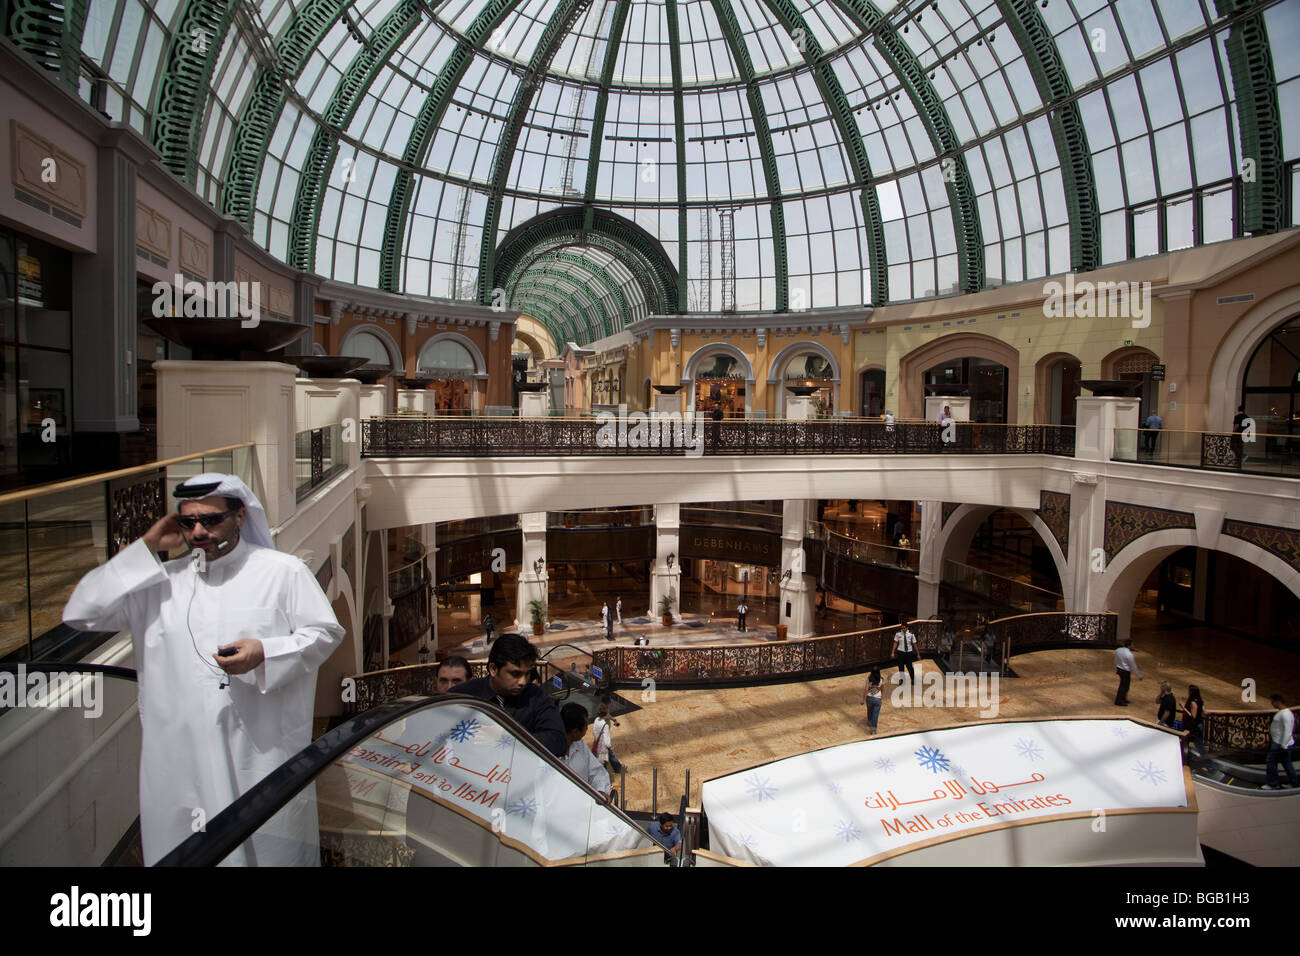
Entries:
{"x":799,"y":591}
{"x":930,"y":574}
{"x":204,"y":405}
{"x":665,"y":578}
{"x":800,"y":408}
{"x":533,"y":584}
{"x":1096,"y":420}
{"x":104,"y":295}
{"x":534,"y":404}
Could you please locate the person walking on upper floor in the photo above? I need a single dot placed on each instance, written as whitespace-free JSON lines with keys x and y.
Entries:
{"x":1151,"y":436}
{"x":905,"y":650}
{"x":1125,"y":666}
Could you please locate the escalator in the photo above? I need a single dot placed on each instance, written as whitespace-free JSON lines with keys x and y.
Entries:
{"x":442,"y":781}
{"x":423,"y":781}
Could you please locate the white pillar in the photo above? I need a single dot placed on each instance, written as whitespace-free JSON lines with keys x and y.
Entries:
{"x":1096,"y":420}
{"x":930,"y":574}
{"x":666,"y":579}
{"x":799,"y":591}
{"x":204,"y":405}
{"x":534,"y":405}
{"x":533,"y":585}
{"x":800,"y":408}
{"x":667,"y":404}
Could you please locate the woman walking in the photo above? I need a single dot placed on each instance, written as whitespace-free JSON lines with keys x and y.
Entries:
{"x":873,"y":698}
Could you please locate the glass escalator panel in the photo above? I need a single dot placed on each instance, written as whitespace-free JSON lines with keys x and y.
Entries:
{"x":446,"y":782}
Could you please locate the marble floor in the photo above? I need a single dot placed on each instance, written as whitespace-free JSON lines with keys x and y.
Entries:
{"x":719,"y":731}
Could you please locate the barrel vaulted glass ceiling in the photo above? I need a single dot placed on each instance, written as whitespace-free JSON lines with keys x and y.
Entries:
{"x":702,"y":155}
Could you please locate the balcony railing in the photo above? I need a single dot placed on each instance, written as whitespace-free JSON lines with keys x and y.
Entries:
{"x":870,"y":552}
{"x":1271,"y":455}
{"x":408,"y":575}
{"x":319,"y":455}
{"x":753,"y":663}
{"x":52,"y":535}
{"x":1240,"y":731}
{"x":1002,"y":590}
{"x":534,"y":437}
{"x":1031,"y":632}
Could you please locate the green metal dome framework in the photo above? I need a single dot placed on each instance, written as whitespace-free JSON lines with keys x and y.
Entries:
{"x":593,"y":161}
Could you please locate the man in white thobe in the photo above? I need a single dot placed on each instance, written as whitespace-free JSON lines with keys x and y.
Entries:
{"x":213,"y":725}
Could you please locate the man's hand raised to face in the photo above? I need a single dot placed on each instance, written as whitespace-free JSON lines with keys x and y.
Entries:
{"x":165,"y":535}
{"x":248,"y":654}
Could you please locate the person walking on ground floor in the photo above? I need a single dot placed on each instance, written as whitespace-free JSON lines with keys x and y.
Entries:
{"x":1281,"y":734}
{"x":905,"y":650}
{"x":873,"y":698}
{"x":618,"y":611}
{"x":1125,"y":666}
{"x":742,"y":610}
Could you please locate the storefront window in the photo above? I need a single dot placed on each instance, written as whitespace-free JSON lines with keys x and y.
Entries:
{"x":36,"y":352}
{"x":722,"y":385}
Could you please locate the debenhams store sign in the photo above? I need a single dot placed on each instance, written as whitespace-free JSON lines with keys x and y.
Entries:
{"x":729,"y":544}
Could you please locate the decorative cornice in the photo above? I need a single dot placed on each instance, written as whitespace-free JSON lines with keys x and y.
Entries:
{"x":1080,"y":478}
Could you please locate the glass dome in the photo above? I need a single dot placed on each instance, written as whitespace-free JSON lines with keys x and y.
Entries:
{"x":594,"y":161}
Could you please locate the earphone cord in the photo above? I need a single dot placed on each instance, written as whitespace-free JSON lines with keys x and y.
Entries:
{"x":225,"y":678}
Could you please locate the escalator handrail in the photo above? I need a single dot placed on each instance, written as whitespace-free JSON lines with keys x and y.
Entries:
{"x":242,"y":818}
{"x":45,"y":667}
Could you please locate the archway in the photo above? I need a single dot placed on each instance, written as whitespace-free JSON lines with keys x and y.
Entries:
{"x":719,"y":374}
{"x":1270,"y":391}
{"x":376,"y":344}
{"x":805,"y":363}
{"x":1129,"y":569}
{"x":1233,"y":353}
{"x":1133,"y":363}
{"x":954,"y":541}
{"x":1056,"y":386}
{"x":872,"y":403}
{"x":456,"y":366}
{"x":950,"y":348}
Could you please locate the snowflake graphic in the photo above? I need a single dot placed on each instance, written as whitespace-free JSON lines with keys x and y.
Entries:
{"x":505,"y":742}
{"x":612,"y":829}
{"x":1149,"y":771}
{"x":834,"y":788}
{"x":464,"y":730}
{"x":848,"y":831}
{"x":524,"y":807}
{"x":885,"y":765}
{"x":1028,"y":749}
{"x":748,"y":841}
{"x":760,"y":787}
{"x":1120,"y":732}
{"x":932,"y":759}
{"x":959,"y":770}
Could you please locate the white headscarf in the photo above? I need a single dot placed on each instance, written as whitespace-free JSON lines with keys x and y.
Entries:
{"x":256,"y":528}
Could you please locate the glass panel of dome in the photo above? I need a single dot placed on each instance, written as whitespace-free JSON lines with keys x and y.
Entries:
{"x":1171,"y":159}
{"x":1178,"y":224}
{"x":1013,"y":265}
{"x":896,"y":241}
{"x":1288,"y":103}
{"x":1138,"y":174}
{"x":945,"y":242}
{"x":1009,"y":211}
{"x":1125,"y":104}
{"x":1141,"y":28}
{"x":132,"y":16}
{"x":1105,"y":41}
{"x":1076,"y":55}
{"x":1110,"y":189}
{"x":918,"y":233}
{"x":1031,"y":212}
{"x":1199,"y":76}
{"x":1053,"y":191}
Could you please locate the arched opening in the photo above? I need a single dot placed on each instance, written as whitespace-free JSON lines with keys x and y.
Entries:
{"x":721,"y":384}
{"x":452,"y":367}
{"x":915,"y":368}
{"x":1056,"y":386}
{"x":873,"y":393}
{"x":811,"y":369}
{"x":984,"y":381}
{"x":365,"y":342}
{"x":1271,"y":386}
{"x":997,"y":562}
{"x":1133,"y":364}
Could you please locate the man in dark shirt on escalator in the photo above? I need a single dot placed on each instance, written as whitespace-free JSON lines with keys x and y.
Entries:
{"x":506,"y":685}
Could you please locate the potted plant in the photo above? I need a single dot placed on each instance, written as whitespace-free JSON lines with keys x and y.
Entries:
{"x":538,"y":611}
{"x":666,"y":609}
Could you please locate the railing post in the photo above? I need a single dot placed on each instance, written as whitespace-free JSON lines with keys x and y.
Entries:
{"x":654,"y":792}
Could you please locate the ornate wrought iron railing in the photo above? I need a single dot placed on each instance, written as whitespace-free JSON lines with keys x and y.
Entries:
{"x":318,"y":456}
{"x":752,"y":663}
{"x":1241,"y":731}
{"x":484,"y":437}
{"x":1032,"y":632}
{"x":51,"y":535}
{"x":410,"y":618}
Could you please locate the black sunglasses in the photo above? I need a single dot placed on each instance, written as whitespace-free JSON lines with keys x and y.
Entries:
{"x":208,"y":521}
